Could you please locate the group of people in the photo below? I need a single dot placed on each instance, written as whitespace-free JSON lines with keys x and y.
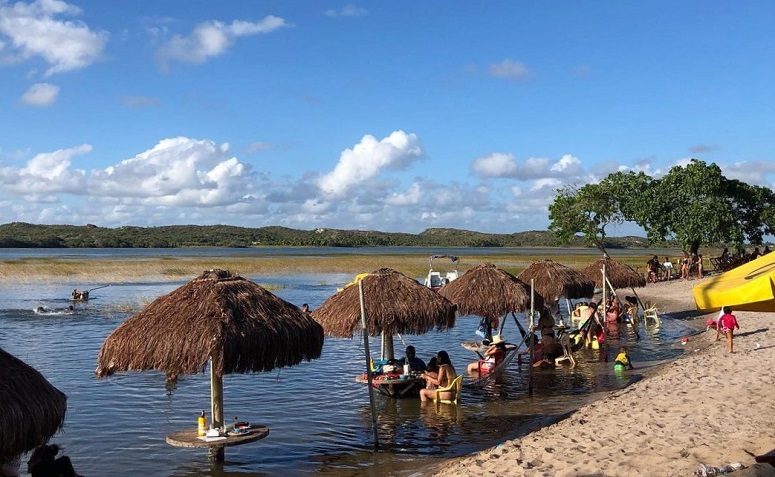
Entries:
{"x":657,"y":270}
{"x":437,"y":373}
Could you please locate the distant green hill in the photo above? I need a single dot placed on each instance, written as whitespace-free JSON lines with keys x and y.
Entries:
{"x":24,"y":235}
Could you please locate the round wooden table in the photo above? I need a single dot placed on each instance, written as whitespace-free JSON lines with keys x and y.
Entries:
{"x":189,"y":438}
{"x":396,"y":387}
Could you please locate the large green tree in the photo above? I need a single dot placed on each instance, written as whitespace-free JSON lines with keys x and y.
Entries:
{"x":588,"y":210}
{"x":691,"y":204}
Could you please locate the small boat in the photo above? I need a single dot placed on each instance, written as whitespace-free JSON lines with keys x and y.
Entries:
{"x":435,"y":279}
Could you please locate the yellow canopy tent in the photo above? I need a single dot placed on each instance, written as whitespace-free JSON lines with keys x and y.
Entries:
{"x":749,"y":287}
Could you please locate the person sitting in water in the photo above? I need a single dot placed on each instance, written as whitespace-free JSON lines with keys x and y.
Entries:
{"x":444,"y":378}
{"x":493,"y":356}
{"x":415,"y":363}
{"x":623,"y":360}
{"x":433,"y":371}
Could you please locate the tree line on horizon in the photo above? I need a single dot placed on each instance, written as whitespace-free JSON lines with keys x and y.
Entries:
{"x":25,"y":235}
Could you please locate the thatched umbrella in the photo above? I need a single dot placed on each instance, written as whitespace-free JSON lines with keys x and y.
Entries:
{"x":31,"y":409}
{"x":384,"y":302}
{"x":619,"y":275}
{"x":396,"y":304}
{"x":235,"y":324}
{"x":554,"y":280}
{"x":487,"y":291}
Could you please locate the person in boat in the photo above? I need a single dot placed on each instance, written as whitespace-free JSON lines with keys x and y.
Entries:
{"x":444,"y":378}
{"x":415,"y":363}
{"x":493,"y":356}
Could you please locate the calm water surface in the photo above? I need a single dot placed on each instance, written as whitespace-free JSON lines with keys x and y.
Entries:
{"x":318,"y":415}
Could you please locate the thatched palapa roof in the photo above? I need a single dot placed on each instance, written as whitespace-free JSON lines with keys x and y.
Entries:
{"x":395,"y":304}
{"x":489,"y":292}
{"x":31,"y":409}
{"x":554,"y":280}
{"x":249,"y":328}
{"x":619,"y":274}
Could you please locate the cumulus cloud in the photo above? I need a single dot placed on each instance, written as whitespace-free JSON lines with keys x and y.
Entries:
{"x":367,"y":159}
{"x":509,"y":70}
{"x":47,"y":173}
{"x":41,"y":94}
{"x":346,"y":11}
{"x":35,"y":30}
{"x":211,"y":39}
{"x":411,"y":196}
{"x":500,"y":165}
{"x":177,"y":172}
{"x":495,"y":165}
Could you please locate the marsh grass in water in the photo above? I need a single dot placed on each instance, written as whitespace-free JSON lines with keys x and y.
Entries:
{"x":127,"y":269}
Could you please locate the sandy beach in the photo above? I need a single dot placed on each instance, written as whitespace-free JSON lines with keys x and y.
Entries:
{"x":708,"y":407}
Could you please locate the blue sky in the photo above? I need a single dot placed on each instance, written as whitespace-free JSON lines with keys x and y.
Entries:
{"x":394,"y":116}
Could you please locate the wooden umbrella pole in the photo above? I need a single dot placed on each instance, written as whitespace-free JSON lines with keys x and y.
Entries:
{"x":531,"y":335}
{"x":368,"y":366}
{"x":216,"y":405}
{"x":605,"y":316}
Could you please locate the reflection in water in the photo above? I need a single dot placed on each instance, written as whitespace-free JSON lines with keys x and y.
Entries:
{"x":318,"y":416}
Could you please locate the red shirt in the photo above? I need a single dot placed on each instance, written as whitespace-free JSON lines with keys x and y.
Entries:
{"x":728,"y":322}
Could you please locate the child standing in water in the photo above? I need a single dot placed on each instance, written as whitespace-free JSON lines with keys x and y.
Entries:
{"x":623,"y":360}
{"x":727,"y":324}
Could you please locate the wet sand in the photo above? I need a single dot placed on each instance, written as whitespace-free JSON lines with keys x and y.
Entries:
{"x":707,"y":407}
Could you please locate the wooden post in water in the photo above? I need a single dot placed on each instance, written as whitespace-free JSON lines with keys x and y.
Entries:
{"x":216,"y":454}
{"x":531,"y":337}
{"x":369,"y":375}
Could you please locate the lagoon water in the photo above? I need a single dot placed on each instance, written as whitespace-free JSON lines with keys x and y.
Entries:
{"x":318,"y":416}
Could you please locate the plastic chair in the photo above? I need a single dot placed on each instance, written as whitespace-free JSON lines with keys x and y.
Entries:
{"x":651,"y":313}
{"x":456,"y":386}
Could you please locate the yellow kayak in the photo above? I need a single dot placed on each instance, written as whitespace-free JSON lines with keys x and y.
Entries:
{"x":749,"y":287}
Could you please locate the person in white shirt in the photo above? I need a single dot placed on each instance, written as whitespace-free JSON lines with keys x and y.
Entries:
{"x":668,"y":266}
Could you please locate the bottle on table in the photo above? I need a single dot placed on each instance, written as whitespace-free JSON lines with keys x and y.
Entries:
{"x":201,"y":424}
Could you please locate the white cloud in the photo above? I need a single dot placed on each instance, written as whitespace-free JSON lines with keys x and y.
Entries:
{"x":346,"y":11}
{"x":177,"y":172}
{"x":500,"y":165}
{"x":367,"y":159}
{"x":509,"y":70}
{"x":259,"y":146}
{"x":211,"y":39}
{"x":36,"y":32}
{"x":495,"y":165}
{"x":567,"y":164}
{"x":47,"y":173}
{"x":41,"y":94}
{"x":411,"y":196}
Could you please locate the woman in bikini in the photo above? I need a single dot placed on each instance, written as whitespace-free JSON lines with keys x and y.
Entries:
{"x":444,"y":378}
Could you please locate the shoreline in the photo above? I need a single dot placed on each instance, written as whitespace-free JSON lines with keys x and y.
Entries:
{"x":706,"y":407}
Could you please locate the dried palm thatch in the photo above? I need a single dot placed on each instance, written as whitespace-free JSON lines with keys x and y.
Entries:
{"x":554,"y":280}
{"x":31,"y":409}
{"x":395,"y":304}
{"x":487,"y":291}
{"x":241,"y":325}
{"x":619,"y":274}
